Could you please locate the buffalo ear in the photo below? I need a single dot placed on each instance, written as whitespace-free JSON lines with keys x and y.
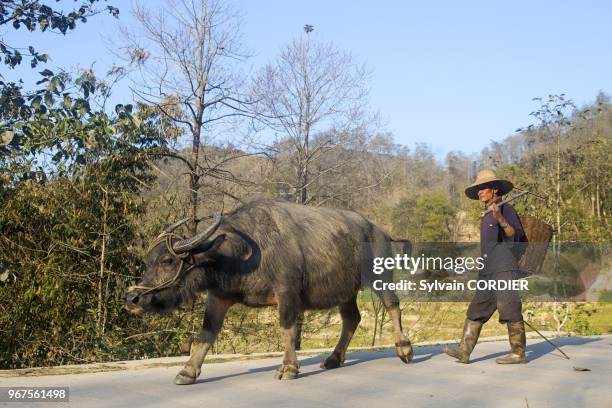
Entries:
{"x":208,"y":251}
{"x":247,"y":252}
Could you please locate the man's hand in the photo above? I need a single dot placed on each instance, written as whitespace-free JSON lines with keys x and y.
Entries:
{"x":496,"y":213}
{"x":507,"y":228}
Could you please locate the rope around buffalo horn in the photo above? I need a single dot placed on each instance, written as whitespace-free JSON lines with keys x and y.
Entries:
{"x":166,"y":236}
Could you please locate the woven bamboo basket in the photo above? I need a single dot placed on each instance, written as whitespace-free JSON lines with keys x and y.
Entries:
{"x":539,"y":235}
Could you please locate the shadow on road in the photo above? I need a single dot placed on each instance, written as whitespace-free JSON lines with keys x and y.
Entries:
{"x":422,"y":354}
{"x":535,"y":351}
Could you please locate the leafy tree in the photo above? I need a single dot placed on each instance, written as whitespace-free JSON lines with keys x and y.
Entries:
{"x":70,"y":192}
{"x":69,"y":242}
{"x":424,"y":217}
{"x":35,"y":14}
{"x":565,"y":160}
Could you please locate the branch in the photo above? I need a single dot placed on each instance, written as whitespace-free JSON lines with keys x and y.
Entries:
{"x":174,"y":156}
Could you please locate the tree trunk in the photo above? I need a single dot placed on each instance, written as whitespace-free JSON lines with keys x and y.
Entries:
{"x":597,"y":205}
{"x":302,"y":198}
{"x":100,"y":323}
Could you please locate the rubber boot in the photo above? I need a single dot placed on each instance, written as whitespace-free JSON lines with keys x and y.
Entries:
{"x":471,"y":331}
{"x":516,"y":334}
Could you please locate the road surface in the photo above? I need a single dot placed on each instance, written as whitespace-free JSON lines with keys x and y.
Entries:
{"x":368,"y":379}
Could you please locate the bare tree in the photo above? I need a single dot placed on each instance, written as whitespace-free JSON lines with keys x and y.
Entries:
{"x":185,"y":58}
{"x":315,"y":95}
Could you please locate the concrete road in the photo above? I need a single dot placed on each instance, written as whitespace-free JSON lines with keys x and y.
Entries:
{"x":368,"y":379}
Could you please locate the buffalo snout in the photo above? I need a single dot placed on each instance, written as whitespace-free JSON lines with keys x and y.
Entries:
{"x":132,"y":298}
{"x":134,"y":302}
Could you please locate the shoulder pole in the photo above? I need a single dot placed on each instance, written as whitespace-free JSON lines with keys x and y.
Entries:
{"x":507,"y":200}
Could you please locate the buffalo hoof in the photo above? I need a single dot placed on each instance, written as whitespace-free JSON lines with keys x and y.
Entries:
{"x":403,"y":349}
{"x":287,"y":372}
{"x":185,"y":377}
{"x":333,"y":361}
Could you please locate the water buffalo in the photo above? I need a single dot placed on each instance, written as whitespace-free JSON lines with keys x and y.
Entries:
{"x":266,"y":253}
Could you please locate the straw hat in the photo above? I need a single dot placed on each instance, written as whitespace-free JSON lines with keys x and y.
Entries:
{"x":488,"y":179}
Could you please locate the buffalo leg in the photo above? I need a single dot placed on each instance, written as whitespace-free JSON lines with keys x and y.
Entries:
{"x":288,"y":311}
{"x":403,"y":348}
{"x":213,"y":320}
{"x":350,"y":320}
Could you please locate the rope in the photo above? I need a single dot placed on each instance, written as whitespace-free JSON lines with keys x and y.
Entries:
{"x":167,"y":238}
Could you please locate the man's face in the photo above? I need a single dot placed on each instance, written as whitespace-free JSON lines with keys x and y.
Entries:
{"x":486,"y":194}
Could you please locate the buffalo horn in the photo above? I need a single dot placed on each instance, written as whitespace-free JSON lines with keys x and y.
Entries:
{"x":190,"y":243}
{"x":174,"y":226}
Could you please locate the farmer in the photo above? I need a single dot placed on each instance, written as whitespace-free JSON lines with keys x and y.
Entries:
{"x":500,"y":234}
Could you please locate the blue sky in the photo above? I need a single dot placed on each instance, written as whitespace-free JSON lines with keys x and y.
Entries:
{"x":452,"y":74}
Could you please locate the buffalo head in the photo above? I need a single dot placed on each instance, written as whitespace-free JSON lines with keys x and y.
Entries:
{"x":175,"y":269}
